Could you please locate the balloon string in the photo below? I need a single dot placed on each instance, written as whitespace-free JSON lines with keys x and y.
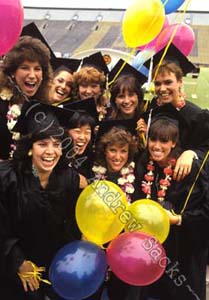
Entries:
{"x":193,"y":185}
{"x":36,"y":273}
{"x":121,"y":68}
{"x":171,"y":38}
{"x":142,"y":136}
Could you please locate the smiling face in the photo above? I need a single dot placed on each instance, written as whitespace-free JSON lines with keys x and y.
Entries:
{"x":81,"y":137}
{"x":127,"y":103}
{"x":167,"y":87}
{"x":28,"y":77}
{"x":61,"y":87}
{"x":160,"y":150}
{"x":116,"y":157}
{"x":46,"y":154}
{"x":89,"y":89}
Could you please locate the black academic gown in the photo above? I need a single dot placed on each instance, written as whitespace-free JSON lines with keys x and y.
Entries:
{"x":35,"y":223}
{"x":5,"y":135}
{"x":186,"y":245}
{"x":83,"y":164}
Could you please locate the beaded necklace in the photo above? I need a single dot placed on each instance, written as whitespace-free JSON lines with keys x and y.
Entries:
{"x":164,"y":183}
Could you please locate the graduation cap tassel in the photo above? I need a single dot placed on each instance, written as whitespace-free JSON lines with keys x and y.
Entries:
{"x":150,"y":72}
{"x":149,"y":91}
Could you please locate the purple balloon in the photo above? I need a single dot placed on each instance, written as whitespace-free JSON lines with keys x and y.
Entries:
{"x":77,"y":270}
{"x":136,"y":258}
{"x":11,"y":21}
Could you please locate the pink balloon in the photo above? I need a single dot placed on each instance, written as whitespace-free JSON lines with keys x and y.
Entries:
{"x":136,"y":258}
{"x":152,"y":43}
{"x":184,"y":38}
{"x":11,"y":20}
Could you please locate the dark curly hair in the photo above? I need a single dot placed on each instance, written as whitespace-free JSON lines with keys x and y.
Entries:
{"x":116,"y":135}
{"x":122,"y":84}
{"x":31,"y":49}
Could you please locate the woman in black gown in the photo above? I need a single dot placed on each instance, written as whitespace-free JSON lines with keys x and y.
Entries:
{"x":38,"y":193}
{"x":115,"y":151}
{"x":24,"y":75}
{"x":186,"y":245}
{"x":171,"y":100}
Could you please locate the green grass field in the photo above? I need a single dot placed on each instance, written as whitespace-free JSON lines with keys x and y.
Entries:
{"x":197,"y":90}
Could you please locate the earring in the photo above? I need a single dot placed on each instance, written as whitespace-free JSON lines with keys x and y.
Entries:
{"x":30,"y":152}
{"x":34,"y":171}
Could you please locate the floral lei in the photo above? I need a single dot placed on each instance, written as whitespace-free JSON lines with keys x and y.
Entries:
{"x":164,"y":182}
{"x":125,"y":181}
{"x":12,"y":116}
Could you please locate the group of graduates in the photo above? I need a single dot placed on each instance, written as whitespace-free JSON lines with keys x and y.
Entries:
{"x":65,"y":123}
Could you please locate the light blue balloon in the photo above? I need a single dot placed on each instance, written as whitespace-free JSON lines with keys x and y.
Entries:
{"x":172,"y":5}
{"x":140,"y":59}
{"x":77,"y":270}
{"x":143,"y":70}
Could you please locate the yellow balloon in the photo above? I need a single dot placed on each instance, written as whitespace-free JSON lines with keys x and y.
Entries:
{"x":99,"y":211}
{"x":150,"y":217}
{"x":142,"y":22}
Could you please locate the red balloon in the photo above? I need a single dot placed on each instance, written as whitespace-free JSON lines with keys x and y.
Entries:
{"x":136,"y":258}
{"x":183,"y":39}
{"x":11,"y":21}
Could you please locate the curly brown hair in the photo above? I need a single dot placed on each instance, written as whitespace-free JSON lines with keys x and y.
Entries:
{"x":119,"y":136}
{"x":31,"y":49}
{"x":87,"y":74}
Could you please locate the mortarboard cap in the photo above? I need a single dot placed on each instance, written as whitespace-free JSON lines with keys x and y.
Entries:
{"x":127,"y":124}
{"x":39,"y":117}
{"x":126,"y":69}
{"x":96,"y":60}
{"x":86,"y":106}
{"x":32,"y":30}
{"x":173,"y":54}
{"x":69,"y":63}
{"x":165,"y":116}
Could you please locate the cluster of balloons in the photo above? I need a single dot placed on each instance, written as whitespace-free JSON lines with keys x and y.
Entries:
{"x":146,"y":27}
{"x":136,"y":256}
{"x":11,"y":22}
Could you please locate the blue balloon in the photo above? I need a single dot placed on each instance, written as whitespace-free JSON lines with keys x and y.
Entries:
{"x":143,"y":70}
{"x":140,"y":68}
{"x":77,"y":270}
{"x":172,"y":5}
{"x":140,"y":59}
